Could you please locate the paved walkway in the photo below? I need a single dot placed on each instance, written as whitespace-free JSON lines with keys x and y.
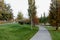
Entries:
{"x":42,"y":34}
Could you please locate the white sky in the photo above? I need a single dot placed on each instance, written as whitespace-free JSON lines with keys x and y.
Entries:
{"x":22,"y":6}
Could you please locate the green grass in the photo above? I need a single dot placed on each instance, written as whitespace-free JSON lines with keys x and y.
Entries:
{"x":16,"y":32}
{"x":55,"y":34}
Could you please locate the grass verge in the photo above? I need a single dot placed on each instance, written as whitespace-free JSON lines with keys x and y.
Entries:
{"x":54,"y":34}
{"x":16,"y":32}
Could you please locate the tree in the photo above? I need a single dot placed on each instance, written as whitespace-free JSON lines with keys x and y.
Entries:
{"x":19,"y":16}
{"x":54,"y":15}
{"x":8,"y":12}
{"x":5,"y":12}
{"x":43,"y":19}
{"x":36,"y":20}
{"x":32,"y":11}
{"x":40,"y":19}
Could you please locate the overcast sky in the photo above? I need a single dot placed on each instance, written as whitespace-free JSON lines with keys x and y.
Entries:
{"x":22,"y":6}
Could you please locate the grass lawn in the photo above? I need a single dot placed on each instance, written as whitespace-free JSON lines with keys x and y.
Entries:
{"x":16,"y":32}
{"x":55,"y":34}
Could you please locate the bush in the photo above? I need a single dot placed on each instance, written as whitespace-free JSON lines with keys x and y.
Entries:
{"x":21,"y":22}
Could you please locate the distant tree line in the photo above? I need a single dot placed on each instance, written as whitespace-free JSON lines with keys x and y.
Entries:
{"x":43,"y":19}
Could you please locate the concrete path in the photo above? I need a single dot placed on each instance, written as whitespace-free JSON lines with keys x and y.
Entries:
{"x":42,"y":34}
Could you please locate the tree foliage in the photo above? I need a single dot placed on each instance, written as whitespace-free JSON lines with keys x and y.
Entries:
{"x":54,"y":15}
{"x":6,"y":12}
{"x":32,"y":12}
{"x":35,"y":20}
{"x":19,"y":16}
{"x":43,"y":19}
